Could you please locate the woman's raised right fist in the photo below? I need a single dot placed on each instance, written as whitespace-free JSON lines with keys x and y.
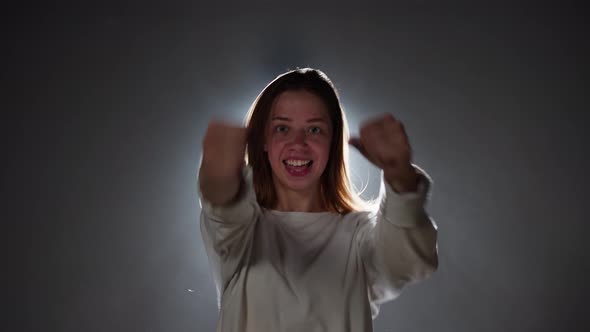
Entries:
{"x":224,"y":147}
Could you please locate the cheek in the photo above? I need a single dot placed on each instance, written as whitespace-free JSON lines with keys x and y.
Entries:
{"x":274,"y":149}
{"x":322,"y":150}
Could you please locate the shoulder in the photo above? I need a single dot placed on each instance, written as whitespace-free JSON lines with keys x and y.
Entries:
{"x":356,"y":219}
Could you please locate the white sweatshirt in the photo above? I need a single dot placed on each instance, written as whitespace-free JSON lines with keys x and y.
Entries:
{"x":301,"y":271}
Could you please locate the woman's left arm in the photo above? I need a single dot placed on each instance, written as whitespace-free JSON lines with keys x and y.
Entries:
{"x":398,"y":245}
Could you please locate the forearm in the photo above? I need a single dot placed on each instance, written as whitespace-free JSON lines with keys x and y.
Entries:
{"x":405,"y":236}
{"x":407,"y":254}
{"x":397,"y":250}
{"x":218,"y":189}
{"x":220,"y":174}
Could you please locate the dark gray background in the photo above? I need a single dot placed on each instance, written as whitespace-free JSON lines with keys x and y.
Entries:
{"x":106,"y":106}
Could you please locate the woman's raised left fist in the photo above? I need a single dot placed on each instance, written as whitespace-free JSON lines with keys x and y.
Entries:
{"x":383,"y":141}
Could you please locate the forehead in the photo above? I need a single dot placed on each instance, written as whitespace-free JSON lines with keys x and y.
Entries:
{"x":299,"y":105}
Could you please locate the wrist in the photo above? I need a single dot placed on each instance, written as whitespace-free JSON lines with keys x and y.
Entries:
{"x":402,"y":183}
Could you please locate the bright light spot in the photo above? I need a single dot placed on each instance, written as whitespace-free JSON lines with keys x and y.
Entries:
{"x":365,"y":177}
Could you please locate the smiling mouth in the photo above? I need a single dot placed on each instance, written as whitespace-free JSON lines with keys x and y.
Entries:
{"x":297,"y":163}
{"x":298,"y":167}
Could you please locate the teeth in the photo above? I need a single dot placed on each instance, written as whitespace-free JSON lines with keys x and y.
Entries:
{"x":291,"y":162}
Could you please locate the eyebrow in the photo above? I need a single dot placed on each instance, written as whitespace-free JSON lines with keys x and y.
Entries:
{"x":282,"y":118}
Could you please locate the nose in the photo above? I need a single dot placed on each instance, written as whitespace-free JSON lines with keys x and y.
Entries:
{"x":299,"y":137}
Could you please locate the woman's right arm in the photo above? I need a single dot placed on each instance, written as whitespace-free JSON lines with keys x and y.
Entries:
{"x":228,"y":203}
{"x":223,"y":158}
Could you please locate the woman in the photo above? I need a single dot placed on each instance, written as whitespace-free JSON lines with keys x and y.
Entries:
{"x":292,"y":248}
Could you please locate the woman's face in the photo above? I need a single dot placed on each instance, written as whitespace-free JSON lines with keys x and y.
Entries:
{"x":298,"y":138}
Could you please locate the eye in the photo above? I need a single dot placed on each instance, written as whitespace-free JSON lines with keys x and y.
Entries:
{"x":315,"y":130}
{"x":281,"y":129}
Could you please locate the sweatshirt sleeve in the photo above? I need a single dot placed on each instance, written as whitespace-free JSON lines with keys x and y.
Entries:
{"x":227,"y":231}
{"x":397,"y":245}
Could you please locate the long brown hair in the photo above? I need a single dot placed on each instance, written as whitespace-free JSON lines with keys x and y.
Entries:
{"x":335,"y":187}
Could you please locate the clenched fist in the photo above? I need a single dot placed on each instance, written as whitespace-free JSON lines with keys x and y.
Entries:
{"x":224,"y":147}
{"x":383,"y":141}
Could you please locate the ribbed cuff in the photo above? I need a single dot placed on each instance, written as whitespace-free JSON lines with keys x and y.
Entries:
{"x":406,"y":209}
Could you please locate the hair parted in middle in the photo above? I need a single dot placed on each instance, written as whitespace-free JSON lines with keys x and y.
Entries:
{"x":335,"y":188}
